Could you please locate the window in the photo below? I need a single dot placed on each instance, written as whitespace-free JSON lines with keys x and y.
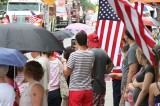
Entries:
{"x":61,"y":9}
{"x":18,"y":6}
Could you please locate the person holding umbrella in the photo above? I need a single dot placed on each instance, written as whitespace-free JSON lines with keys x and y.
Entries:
{"x":14,"y":58}
{"x":9,"y":78}
{"x":6,"y":90}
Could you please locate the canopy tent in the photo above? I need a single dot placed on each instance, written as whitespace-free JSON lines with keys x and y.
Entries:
{"x":146,"y":1}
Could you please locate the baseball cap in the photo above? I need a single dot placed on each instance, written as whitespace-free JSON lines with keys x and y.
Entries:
{"x":93,"y":40}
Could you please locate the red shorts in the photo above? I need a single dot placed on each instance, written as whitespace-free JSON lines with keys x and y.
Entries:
{"x":80,"y":98}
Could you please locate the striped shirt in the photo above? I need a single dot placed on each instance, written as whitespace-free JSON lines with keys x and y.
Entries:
{"x":81,"y":63}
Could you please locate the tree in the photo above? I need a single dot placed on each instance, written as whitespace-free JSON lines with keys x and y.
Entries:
{"x":4,"y":1}
{"x":86,"y":4}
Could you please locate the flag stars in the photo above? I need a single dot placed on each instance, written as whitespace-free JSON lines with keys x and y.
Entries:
{"x":106,"y":11}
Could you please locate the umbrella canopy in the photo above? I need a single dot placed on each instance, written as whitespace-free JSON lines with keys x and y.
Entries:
{"x":12,"y":57}
{"x":27,"y":37}
{"x":144,"y":0}
{"x":149,"y":21}
{"x":78,"y":27}
{"x":63,"y":34}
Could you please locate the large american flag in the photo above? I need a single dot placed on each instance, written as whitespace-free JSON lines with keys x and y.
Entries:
{"x":133,"y":22}
{"x":110,"y":29}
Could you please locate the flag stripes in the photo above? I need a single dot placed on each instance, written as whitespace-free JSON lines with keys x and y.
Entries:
{"x":109,"y":30}
{"x":110,"y":34}
{"x":134,"y":24}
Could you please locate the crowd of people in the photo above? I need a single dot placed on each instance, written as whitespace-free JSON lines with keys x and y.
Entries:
{"x":76,"y":77}
{"x":138,"y":75}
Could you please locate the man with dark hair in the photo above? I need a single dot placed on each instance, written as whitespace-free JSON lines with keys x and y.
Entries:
{"x":130,"y":63}
{"x":81,"y":38}
{"x":79,"y":66}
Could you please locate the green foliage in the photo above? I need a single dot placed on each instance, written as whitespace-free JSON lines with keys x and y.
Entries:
{"x":86,"y":4}
{"x":4,"y":1}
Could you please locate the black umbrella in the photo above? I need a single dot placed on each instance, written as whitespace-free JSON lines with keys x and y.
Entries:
{"x":63,"y":34}
{"x":27,"y":37}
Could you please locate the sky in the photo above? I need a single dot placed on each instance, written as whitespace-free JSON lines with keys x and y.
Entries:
{"x":94,"y":1}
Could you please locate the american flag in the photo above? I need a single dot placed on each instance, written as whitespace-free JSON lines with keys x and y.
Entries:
{"x":110,"y":29}
{"x":133,"y":22}
{"x":139,"y":7}
{"x":33,"y":18}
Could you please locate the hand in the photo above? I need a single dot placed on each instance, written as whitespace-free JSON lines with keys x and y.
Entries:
{"x":131,"y":87}
{"x":125,"y":96}
{"x":63,"y":60}
{"x":135,"y":83}
{"x":113,"y":75}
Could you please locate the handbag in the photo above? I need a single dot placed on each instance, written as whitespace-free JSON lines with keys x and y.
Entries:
{"x":64,"y":90}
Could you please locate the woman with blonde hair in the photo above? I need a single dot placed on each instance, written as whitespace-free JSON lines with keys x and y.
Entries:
{"x":145,"y":77}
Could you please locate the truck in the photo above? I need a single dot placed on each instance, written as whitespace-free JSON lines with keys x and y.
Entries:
{"x":62,"y":14}
{"x":21,"y":11}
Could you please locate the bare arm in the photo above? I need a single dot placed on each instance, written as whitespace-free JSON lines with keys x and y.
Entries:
{"x":133,"y":68}
{"x":115,"y":75}
{"x":67,"y":70}
{"x":109,"y":67}
{"x":37,"y":94}
{"x":131,"y":87}
{"x":145,"y":88}
{"x":151,"y":95}
{"x":137,"y":84}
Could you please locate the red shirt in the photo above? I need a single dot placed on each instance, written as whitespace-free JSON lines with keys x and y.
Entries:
{"x":17,"y":89}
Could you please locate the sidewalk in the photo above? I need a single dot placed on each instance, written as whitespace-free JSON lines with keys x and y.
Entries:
{"x":109,"y":94}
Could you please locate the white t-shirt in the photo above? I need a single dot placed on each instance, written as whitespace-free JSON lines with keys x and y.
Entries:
{"x":7,"y":95}
{"x":46,"y":68}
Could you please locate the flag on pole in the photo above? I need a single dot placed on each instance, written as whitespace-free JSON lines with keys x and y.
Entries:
{"x":110,"y":29}
{"x":34,"y":18}
{"x":134,"y":24}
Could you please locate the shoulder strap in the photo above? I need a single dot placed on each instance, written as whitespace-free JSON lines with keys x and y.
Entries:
{"x":157,"y":86}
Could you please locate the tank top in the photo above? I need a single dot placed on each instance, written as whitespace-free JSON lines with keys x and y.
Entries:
{"x":157,"y":98}
{"x":25,"y":99}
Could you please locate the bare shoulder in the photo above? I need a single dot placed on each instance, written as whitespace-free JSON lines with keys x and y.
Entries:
{"x":38,"y":88}
{"x":153,"y":86}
